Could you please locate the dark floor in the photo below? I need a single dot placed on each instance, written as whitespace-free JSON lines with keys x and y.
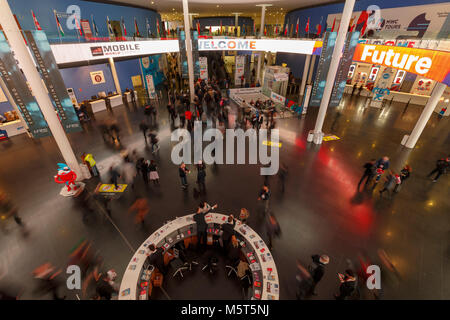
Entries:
{"x":320,"y":211}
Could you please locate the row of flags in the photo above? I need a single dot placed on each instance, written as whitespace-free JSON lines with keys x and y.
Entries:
{"x":95,"y":28}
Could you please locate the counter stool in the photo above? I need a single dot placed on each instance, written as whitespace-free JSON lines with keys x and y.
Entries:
{"x":211,"y":266}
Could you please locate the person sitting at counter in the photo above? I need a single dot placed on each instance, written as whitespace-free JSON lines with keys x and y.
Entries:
{"x":156,"y":258}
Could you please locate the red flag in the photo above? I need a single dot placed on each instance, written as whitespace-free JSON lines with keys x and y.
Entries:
{"x":296,"y":28}
{"x":168,"y":29}
{"x":286,"y":29}
{"x":362,"y":20}
{"x":351,"y":24}
{"x":265,"y":30}
{"x":332,"y":28}
{"x":198,"y":27}
{"x":136,"y":29}
{"x":319,"y":30}
{"x":276,"y":29}
{"x":157,"y":27}
{"x":210,"y":30}
{"x":220,"y":27}
{"x":36,"y":23}
{"x":307,"y":26}
{"x":78,"y":26}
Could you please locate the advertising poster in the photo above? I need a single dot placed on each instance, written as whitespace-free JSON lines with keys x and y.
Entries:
{"x":239,"y":72}
{"x":344,"y":66}
{"x":40,"y":48}
{"x":203,"y":65}
{"x":86,"y":27}
{"x":97,"y":77}
{"x":322,"y":68}
{"x":150,"y":86}
{"x":381,"y":89}
{"x":17,"y":86}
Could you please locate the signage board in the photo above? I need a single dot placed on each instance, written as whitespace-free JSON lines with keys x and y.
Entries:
{"x":97,"y":77}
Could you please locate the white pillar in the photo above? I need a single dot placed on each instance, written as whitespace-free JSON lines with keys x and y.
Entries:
{"x":187,"y":31}
{"x":337,"y":53}
{"x":304,"y":77}
{"x":311,"y":69}
{"x":11,"y":100}
{"x":22,"y":54}
{"x":438,"y":91}
{"x":261,"y":32}
{"x":114,"y":74}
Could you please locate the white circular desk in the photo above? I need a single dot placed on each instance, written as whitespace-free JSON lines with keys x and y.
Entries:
{"x":265,"y":277}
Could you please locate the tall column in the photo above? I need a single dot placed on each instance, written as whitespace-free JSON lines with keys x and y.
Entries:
{"x":311,"y":69}
{"x":337,"y":53}
{"x":236,"y":20}
{"x":114,"y":74}
{"x":261,"y":32}
{"x":11,"y":100}
{"x":22,"y":54}
{"x":304,"y":77}
{"x":187,"y":31}
{"x":438,"y":91}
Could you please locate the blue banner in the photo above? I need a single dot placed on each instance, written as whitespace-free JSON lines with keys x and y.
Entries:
{"x":322,"y":68}
{"x":344,"y":66}
{"x":53,"y":80}
{"x":17,"y":85}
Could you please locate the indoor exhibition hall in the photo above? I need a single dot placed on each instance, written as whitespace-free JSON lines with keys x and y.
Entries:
{"x":196,"y":152}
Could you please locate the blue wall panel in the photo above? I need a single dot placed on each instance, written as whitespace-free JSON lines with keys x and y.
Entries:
{"x":79,"y":77}
{"x":125,"y":70}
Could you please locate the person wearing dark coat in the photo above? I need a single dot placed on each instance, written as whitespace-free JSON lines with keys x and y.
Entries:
{"x":157,"y":258}
{"x":317,"y":270}
{"x":228,"y":230}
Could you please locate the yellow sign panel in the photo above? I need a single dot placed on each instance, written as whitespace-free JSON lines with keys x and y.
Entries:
{"x":330,"y":138}
{"x":137,"y":81}
{"x":270,"y":143}
{"x":111,"y":188}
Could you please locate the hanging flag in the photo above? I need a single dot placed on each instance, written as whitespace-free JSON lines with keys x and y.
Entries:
{"x":36,"y":23}
{"x":286,"y":29}
{"x":350,"y":25}
{"x":265,"y":30}
{"x":123,"y":27}
{"x":110,"y":30}
{"x":78,"y":25}
{"x":94,"y":26}
{"x":254,"y":28}
{"x":276,"y":29}
{"x":332,"y":28}
{"x":319,"y":30}
{"x":243,"y":29}
{"x":210,"y":29}
{"x":168,"y":29}
{"x":198,"y":27}
{"x":136,"y":28}
{"x":60,"y":29}
{"x":157,"y":29}
{"x":220,"y":27}
{"x":307,"y":26}
{"x":361,"y":24}
{"x":296,"y":28}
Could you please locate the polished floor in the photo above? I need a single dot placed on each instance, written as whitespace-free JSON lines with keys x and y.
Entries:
{"x":320,"y":211}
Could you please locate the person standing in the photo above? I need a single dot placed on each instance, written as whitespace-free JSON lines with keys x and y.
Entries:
{"x":389,"y":183}
{"x":142,"y":168}
{"x":228,"y":231}
{"x":273,"y":229}
{"x":369,"y":172}
{"x":317,"y":270}
{"x":264,"y":195}
{"x":89,"y":160}
{"x":244,"y":215}
{"x":282,"y":174}
{"x":154,"y":141}
{"x":144,"y":128}
{"x":114,"y":175}
{"x":201,"y":177}
{"x":152,"y":168}
{"x":383,"y":162}
{"x":156,"y":258}
{"x":182,"y":171}
{"x":404,"y":175}
{"x":441,"y":167}
{"x":347,"y":286}
{"x":199,"y":218}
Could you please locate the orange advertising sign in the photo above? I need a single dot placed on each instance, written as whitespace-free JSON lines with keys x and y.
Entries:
{"x":432,"y":64}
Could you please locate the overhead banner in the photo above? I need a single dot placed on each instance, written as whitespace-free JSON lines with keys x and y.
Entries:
{"x":76,"y":52}
{"x":344,"y":66}
{"x":289,"y":46}
{"x":203,"y":64}
{"x":40,"y":48}
{"x":239,"y":71}
{"x":432,"y":64}
{"x":322,"y":68}
{"x":16,"y":83}
{"x":423,"y":21}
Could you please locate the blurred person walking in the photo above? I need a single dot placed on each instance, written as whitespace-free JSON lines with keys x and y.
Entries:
{"x":317,"y":270}
{"x":369,"y":172}
{"x":273,"y":229}
{"x":142,"y":209}
{"x":441,"y":168}
{"x":182,"y":171}
{"x":347,"y":286}
{"x":153,"y":171}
